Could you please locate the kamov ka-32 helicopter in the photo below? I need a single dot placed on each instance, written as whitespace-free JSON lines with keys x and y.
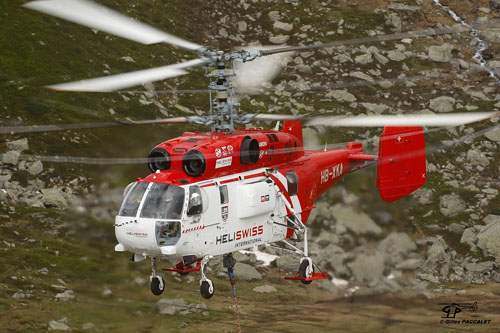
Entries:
{"x":230,"y":189}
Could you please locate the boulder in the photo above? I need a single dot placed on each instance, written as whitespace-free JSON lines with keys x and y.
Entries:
{"x":11,"y":157}
{"x":409,"y":264}
{"x":440,"y":53}
{"x":437,"y":254}
{"x":35,"y":168}
{"x":274,"y":15}
{"x":493,"y":135}
{"x":242,"y":26}
{"x":396,"y":247}
{"x":488,"y":238}
{"x":341,"y":96}
{"x":53,"y":197}
{"x":358,"y":223}
{"x":469,"y":237}
{"x":18,"y":145}
{"x":442,"y":104}
{"x":451,"y":204}
{"x":265,"y":289}
{"x":376,"y":108}
{"x":367,"y":267}
{"x":456,"y":228}
{"x":246,"y":272}
{"x":363,"y":59}
{"x":65,"y":296}
{"x":286,"y":262}
{"x":58,"y":326}
{"x":170,"y":306}
{"x":361,"y":76}
{"x":393,"y":20}
{"x":279,"y":39}
{"x":278,"y":25}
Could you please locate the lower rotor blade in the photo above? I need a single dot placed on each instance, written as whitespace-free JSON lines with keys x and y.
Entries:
{"x":126,"y":80}
{"x":451,"y":119}
{"x":379,"y":38}
{"x":65,"y":127}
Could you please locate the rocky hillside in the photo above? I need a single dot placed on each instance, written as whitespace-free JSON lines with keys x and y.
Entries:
{"x":59,"y":270}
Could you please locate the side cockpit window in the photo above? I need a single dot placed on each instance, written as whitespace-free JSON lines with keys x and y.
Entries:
{"x":293,"y":182}
{"x":198,"y":201}
{"x":224,"y":196}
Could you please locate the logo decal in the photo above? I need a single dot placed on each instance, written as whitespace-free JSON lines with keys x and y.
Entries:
{"x":223,"y":162}
{"x":224,"y":210}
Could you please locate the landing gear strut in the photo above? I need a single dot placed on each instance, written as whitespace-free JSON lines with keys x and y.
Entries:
{"x":157,"y":284}
{"x":207,"y":289}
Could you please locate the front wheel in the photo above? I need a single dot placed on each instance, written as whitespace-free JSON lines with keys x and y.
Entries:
{"x":305,"y":272}
{"x":206,"y":290}
{"x":157,"y":285}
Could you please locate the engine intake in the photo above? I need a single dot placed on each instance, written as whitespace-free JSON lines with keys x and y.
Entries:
{"x":158,"y":159}
{"x":194,"y":163}
{"x":249,"y":152}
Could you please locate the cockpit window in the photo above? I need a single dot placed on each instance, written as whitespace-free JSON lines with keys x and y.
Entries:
{"x":163,"y":201}
{"x":133,"y":199}
{"x":198,"y":201}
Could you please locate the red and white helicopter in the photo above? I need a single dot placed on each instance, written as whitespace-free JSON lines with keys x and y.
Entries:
{"x":230,"y":189}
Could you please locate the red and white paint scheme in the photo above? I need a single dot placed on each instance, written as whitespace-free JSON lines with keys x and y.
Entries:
{"x":212,"y":193}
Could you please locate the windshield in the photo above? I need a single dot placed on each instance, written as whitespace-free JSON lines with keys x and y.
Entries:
{"x":133,"y":199}
{"x":163,"y":201}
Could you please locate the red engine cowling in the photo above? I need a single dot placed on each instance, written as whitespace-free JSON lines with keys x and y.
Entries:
{"x":401,"y":162}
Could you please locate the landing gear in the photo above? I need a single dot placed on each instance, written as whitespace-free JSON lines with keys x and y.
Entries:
{"x":306,"y":270}
{"x":207,"y":289}
{"x":157,"y":284}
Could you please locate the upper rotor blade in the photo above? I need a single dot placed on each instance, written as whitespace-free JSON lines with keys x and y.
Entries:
{"x":126,"y":80}
{"x":379,"y":38}
{"x":451,"y":119}
{"x":95,"y":16}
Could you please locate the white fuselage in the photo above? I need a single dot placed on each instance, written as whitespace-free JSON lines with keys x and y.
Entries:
{"x":238,"y":212}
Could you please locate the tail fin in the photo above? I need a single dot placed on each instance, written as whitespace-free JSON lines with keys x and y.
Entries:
{"x":401,"y":162}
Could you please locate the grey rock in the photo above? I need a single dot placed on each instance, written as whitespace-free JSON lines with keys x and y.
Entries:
{"x":442,"y":104}
{"x":18,"y":145}
{"x":451,"y":204}
{"x":242,"y":26}
{"x":393,"y":20}
{"x":246,"y":272}
{"x":274,"y":15}
{"x":358,"y":223}
{"x":35,"y":168}
{"x":395,"y":247}
{"x":67,"y":295}
{"x":403,"y":7}
{"x":170,"y":306}
{"x":480,"y":267}
{"x":469,"y":237}
{"x":19,"y":295}
{"x":424,"y":195}
{"x":440,"y":53}
{"x":488,"y":238}
{"x":456,"y":228}
{"x":367,"y":268}
{"x":279,"y":39}
{"x":58,"y":326}
{"x":11,"y":157}
{"x":493,"y":135}
{"x":286,"y":262}
{"x":361,"y":76}
{"x":53,"y":197}
{"x":380,"y":58}
{"x":363,"y":59}
{"x":243,"y":257}
{"x":278,"y":25}
{"x":428,"y":277}
{"x":88,"y":326}
{"x":265,"y":289}
{"x":107,"y":293}
{"x":341,"y":96}
{"x":396,"y":55}
{"x":409,"y":264}
{"x":376,"y":108}
{"x":139,"y":281}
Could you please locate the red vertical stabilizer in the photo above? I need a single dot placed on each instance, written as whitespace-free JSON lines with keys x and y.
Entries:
{"x":401,"y":162}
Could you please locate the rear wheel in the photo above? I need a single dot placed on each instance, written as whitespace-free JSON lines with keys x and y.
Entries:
{"x":305,"y":272}
{"x":157,"y":285}
{"x":205,"y":290}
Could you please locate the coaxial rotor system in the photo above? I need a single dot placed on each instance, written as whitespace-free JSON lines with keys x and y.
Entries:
{"x":224,"y":112}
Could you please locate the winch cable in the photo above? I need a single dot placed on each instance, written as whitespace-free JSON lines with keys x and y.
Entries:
{"x":232,"y":279}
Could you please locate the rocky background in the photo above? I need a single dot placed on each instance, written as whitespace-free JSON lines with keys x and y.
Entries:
{"x":59,"y":270}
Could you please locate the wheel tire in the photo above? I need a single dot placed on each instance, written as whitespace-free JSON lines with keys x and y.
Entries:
{"x":302,"y":271}
{"x":155,"y":285}
{"x":205,"y":290}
